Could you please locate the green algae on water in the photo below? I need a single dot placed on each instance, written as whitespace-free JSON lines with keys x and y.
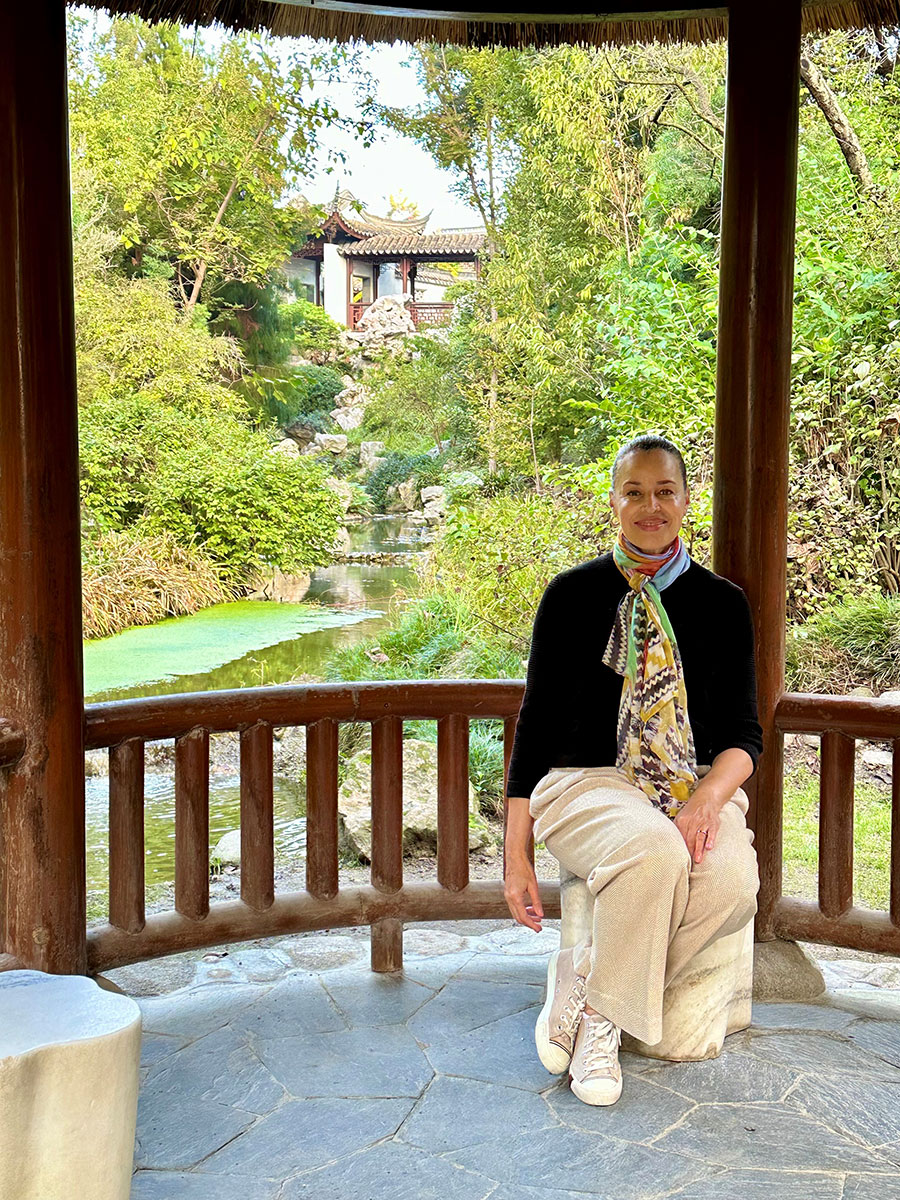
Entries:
{"x":202,"y":641}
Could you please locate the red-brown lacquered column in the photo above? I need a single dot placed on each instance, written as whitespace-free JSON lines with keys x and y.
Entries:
{"x":753,"y":378}
{"x":42,"y":885}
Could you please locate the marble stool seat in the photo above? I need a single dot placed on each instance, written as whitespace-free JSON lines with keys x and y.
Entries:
{"x":69,"y":1064}
{"x":710,"y":998}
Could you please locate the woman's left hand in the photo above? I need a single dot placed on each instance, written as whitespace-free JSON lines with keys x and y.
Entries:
{"x":699,"y":813}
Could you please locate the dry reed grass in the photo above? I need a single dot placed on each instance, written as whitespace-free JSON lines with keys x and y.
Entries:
{"x":129,"y":580}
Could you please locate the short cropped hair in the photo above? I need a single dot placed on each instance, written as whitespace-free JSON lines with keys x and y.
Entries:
{"x":648,"y":441}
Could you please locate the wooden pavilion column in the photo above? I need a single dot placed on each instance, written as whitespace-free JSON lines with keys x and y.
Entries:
{"x":753,"y":380}
{"x":42,"y":884}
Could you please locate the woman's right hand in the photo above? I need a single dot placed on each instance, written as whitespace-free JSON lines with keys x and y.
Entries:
{"x":519,"y":886}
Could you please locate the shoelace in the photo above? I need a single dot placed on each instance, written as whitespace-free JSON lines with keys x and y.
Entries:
{"x":572,"y":1009}
{"x":601,"y":1041}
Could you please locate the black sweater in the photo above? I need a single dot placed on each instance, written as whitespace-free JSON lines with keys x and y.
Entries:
{"x":569,"y":711}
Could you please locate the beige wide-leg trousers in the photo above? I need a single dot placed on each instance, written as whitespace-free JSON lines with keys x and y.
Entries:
{"x":654,"y":907}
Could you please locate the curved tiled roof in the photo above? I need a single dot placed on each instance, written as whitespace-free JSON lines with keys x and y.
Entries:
{"x":368,"y":224}
{"x":391,"y":245}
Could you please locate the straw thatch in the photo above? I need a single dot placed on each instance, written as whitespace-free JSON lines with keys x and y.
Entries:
{"x":345,"y":22}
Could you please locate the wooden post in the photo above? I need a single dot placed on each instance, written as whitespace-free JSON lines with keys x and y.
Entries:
{"x":42,"y":879}
{"x":753,"y":380}
{"x":404,"y":275}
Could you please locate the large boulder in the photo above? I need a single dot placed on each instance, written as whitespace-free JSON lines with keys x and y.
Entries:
{"x":419,"y":803}
{"x":287,"y":446}
{"x":341,"y":489}
{"x":275,"y":585}
{"x":348,"y":418}
{"x":227,"y":850}
{"x":434,"y":507}
{"x":342,"y":543}
{"x":458,"y":484}
{"x":301,"y":431}
{"x":333,"y":443}
{"x":385,"y":317}
{"x":370,"y":455}
{"x":400,"y":497}
{"x":350,"y":404}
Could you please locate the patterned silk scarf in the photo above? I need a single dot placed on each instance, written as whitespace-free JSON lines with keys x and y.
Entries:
{"x":654,"y":742}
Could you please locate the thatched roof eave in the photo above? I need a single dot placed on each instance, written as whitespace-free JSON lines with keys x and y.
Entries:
{"x":489,"y":25}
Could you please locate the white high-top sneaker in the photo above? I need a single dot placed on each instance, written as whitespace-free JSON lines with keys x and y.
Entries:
{"x":554,"y":1033}
{"x":596,"y":1077}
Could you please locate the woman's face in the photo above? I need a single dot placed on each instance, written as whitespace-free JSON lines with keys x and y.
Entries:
{"x":649,"y":499}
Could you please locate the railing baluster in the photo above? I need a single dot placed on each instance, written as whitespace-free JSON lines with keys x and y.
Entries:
{"x":192,"y":824}
{"x":387,"y":836}
{"x":257,"y":817}
{"x":836,"y":822}
{"x":321,"y":808}
{"x":453,"y":802}
{"x":126,"y":835}
{"x":895,"y":833}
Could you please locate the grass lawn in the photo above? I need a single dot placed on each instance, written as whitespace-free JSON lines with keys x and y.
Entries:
{"x":871,"y":840}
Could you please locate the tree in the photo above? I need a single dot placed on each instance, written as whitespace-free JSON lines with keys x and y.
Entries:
{"x":193,"y":149}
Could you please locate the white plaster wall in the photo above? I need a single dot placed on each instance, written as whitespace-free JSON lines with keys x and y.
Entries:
{"x":334,"y":280}
{"x":433,"y":292}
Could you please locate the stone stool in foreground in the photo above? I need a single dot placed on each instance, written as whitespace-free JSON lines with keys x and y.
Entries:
{"x":69,"y":1059}
{"x":710,"y":998}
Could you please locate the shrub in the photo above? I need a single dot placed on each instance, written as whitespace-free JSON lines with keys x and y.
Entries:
{"x":850,"y":644}
{"x":208,"y":480}
{"x":130,"y":338}
{"x":247,"y":506}
{"x":424,"y":469}
{"x":313,"y":389}
{"x":311,"y":327}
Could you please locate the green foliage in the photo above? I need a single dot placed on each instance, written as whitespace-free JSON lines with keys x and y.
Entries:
{"x":149,"y":466}
{"x":313,"y":388}
{"x":193,"y":147}
{"x":850,"y":644}
{"x":415,"y":401}
{"x":396,"y":467}
{"x":499,"y":554}
{"x":311,"y":328}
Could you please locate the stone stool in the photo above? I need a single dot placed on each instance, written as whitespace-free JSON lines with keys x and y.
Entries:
{"x":69,"y":1060}
{"x":710,"y":998}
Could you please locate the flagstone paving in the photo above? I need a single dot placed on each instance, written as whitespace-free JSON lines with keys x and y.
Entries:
{"x":290,"y":1070}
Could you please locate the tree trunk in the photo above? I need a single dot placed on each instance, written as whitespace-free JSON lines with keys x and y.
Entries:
{"x":850,"y":145}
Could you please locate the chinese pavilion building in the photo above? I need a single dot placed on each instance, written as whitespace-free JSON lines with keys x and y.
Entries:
{"x":357,"y":256}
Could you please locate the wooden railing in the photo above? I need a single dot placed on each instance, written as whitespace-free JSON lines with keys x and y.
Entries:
{"x":424,"y":313}
{"x":388,"y":902}
{"x":124,"y":727}
{"x":834,"y":919}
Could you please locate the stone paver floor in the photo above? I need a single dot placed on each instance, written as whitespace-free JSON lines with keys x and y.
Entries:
{"x":290,"y":1071}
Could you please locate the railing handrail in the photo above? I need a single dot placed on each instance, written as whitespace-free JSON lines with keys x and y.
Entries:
{"x":857,"y":716}
{"x":150,"y":718}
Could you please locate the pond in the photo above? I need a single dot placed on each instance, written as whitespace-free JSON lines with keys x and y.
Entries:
{"x":240,"y":644}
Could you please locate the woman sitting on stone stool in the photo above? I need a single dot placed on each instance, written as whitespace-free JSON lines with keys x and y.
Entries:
{"x":641,"y":665}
